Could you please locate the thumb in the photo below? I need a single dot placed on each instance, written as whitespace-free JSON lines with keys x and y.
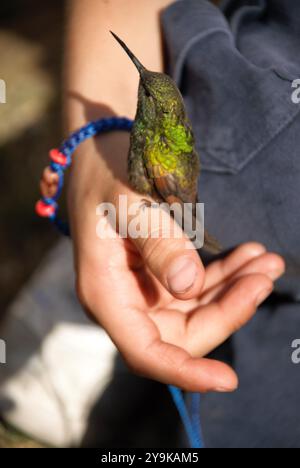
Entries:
{"x":166,"y":250}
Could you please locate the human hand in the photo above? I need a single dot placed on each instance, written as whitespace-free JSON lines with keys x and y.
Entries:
{"x":159,"y":305}
{"x":164,"y":322}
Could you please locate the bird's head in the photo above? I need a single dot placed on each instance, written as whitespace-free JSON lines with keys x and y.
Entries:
{"x":158,"y":89}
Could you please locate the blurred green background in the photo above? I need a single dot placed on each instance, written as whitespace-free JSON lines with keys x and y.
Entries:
{"x":31,"y":33}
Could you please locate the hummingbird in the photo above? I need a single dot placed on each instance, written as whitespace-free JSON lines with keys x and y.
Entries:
{"x":162,"y":161}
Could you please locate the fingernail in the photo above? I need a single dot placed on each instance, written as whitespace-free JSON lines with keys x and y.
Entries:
{"x":225,"y":390}
{"x":262,"y":296}
{"x":182,"y":274}
{"x":275,"y":274}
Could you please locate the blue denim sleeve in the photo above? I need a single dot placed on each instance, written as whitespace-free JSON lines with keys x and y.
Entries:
{"x":235,"y":69}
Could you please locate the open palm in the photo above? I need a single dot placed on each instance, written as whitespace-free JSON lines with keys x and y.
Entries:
{"x":165,"y":337}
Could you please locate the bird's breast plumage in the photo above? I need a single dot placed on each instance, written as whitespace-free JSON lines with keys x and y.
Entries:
{"x":163,"y":149}
{"x":169,"y":148}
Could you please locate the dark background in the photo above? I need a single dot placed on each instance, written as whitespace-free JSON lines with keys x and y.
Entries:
{"x":31,"y":53}
{"x":31,"y":38}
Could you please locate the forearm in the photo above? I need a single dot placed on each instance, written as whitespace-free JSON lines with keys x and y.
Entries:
{"x":99,"y":80}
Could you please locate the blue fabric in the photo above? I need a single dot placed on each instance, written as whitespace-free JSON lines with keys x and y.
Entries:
{"x":235,"y":67}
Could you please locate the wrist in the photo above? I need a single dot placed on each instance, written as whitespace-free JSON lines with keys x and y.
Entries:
{"x":98,"y":171}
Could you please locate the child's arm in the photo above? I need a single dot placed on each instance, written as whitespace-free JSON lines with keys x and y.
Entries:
{"x":140,"y":290}
{"x":100,"y":81}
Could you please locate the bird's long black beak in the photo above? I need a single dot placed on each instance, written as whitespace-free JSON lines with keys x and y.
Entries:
{"x":136,"y":62}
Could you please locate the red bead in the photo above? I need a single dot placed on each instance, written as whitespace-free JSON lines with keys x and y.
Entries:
{"x":58,"y":157}
{"x":44,"y":210}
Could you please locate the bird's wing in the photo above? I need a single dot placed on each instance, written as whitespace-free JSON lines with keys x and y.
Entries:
{"x":168,"y":189}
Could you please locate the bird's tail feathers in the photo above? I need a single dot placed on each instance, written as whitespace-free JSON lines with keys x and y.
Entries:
{"x":211,"y":245}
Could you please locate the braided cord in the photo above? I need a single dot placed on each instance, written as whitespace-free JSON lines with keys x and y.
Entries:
{"x":191,"y":423}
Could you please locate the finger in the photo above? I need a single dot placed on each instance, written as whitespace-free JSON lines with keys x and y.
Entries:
{"x":47,"y":191}
{"x":50,"y":177}
{"x":166,"y":250}
{"x":49,"y":183}
{"x":269,"y":264}
{"x":146,"y":355}
{"x":139,"y":340}
{"x":220,"y":270}
{"x":172,"y":365}
{"x":211,"y":325}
